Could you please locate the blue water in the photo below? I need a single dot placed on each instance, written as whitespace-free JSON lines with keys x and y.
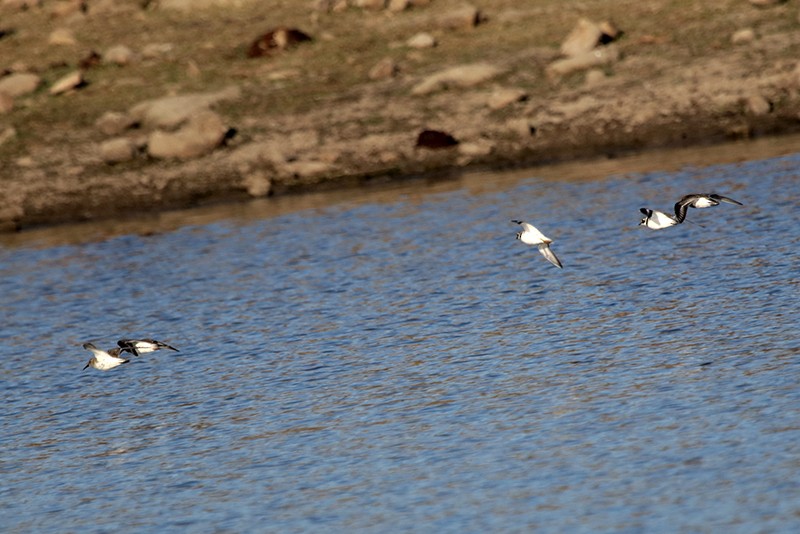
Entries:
{"x":407,"y":366}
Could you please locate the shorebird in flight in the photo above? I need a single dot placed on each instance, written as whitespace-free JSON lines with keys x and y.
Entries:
{"x":658,"y":219}
{"x":104,"y":360}
{"x":530,"y":235}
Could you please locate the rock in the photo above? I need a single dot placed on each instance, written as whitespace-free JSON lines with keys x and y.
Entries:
{"x":758,"y":105}
{"x":114,"y":123}
{"x":461,"y":18}
{"x":503,"y":97}
{"x":19,"y":84}
{"x":73,"y":80}
{"x":743,"y":36}
{"x":117,"y":150}
{"x":476,"y":148}
{"x":383,"y":69}
{"x":610,"y":32}
{"x":275,"y":40}
{"x":584,"y":37}
{"x":373,"y":5}
{"x":766,"y":3}
{"x":170,"y":111}
{"x":203,"y":132}
{"x":422,"y":40}
{"x":435,"y":139}
{"x":62,"y":37}
{"x":6,"y":103}
{"x":119,"y":55}
{"x":459,"y":76}
{"x":596,"y":58}
{"x":396,"y":6}
{"x":257,"y":184}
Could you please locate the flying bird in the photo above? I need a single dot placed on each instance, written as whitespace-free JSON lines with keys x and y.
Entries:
{"x":104,"y":360}
{"x":530,"y":235}
{"x":657,"y":220}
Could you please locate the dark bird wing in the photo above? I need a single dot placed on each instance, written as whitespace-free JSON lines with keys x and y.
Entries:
{"x":720,"y":198}
{"x":682,"y":205}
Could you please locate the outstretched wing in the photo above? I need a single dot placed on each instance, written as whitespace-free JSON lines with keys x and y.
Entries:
{"x":544,"y":248}
{"x":720,"y":198}
{"x":682,"y":205}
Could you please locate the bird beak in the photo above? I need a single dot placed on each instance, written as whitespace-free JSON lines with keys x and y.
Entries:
{"x":87,"y":365}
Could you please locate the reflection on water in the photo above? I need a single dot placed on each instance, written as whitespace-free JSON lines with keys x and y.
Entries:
{"x":400,"y":362}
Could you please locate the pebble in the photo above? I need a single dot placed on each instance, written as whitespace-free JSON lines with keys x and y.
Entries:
{"x":119,"y":55}
{"x":62,"y":37}
{"x":743,"y":36}
{"x":459,"y":76}
{"x":422,"y":40}
{"x":117,"y":150}
{"x":71,"y":81}
{"x":203,"y":132}
{"x":503,"y":97}
{"x":19,"y":84}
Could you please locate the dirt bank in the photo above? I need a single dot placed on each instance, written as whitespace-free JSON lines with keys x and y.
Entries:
{"x":346,"y":108}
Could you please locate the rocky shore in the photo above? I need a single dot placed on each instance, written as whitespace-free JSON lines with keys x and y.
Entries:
{"x":218,"y":100}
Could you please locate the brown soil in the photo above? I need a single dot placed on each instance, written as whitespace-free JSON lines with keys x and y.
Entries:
{"x":679,"y":81}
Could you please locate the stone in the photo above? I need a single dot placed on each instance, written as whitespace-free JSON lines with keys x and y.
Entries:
{"x":373,"y":5}
{"x":383,"y":69}
{"x":275,"y":40}
{"x":257,"y":184}
{"x":117,"y":150}
{"x":62,"y":37}
{"x":6,"y":103}
{"x":460,"y":18}
{"x":73,"y":80}
{"x":460,"y":76}
{"x":584,"y":37}
{"x":596,"y":58}
{"x":476,"y":148}
{"x":396,"y":6}
{"x":114,"y":122}
{"x":743,"y":36}
{"x":757,"y":105}
{"x":503,"y":97}
{"x":119,"y":55}
{"x":421,"y":40}
{"x":170,"y":111}
{"x":203,"y":132}
{"x":19,"y":84}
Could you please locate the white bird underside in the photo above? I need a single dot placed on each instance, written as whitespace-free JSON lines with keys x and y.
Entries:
{"x":656,"y":220}
{"x":104,"y":360}
{"x":530,"y":235}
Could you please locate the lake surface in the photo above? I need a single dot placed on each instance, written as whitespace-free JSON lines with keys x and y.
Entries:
{"x":400,"y":363}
